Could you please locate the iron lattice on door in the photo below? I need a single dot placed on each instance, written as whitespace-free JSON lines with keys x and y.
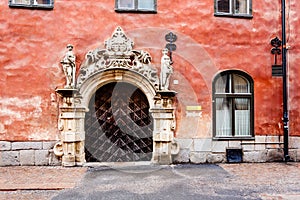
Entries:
{"x":118,"y":125}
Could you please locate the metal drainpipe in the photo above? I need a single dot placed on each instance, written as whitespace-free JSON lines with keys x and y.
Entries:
{"x":285,"y":95}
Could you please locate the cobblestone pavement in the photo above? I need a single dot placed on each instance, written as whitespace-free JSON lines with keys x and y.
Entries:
{"x":266,"y":181}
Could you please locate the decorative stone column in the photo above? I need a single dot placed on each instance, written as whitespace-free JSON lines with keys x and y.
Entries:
{"x":71,"y":126}
{"x":164,"y":125}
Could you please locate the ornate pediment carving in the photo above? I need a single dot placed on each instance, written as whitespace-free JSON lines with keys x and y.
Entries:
{"x":118,"y":53}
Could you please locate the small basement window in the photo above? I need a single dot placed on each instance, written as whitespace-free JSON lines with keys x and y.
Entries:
{"x":136,"y":6}
{"x":44,"y":4}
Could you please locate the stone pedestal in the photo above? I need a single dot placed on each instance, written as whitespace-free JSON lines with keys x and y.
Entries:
{"x":164,"y":126}
{"x":71,"y":126}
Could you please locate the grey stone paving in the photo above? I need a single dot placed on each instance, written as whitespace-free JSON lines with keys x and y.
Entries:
{"x":211,"y":182}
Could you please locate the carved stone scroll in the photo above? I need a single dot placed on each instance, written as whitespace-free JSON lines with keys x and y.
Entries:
{"x":119,"y":53}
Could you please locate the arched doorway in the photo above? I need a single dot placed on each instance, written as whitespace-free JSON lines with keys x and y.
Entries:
{"x":118,"y":126}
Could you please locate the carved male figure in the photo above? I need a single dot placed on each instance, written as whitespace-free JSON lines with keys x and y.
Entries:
{"x":166,"y":70}
{"x":69,"y":67}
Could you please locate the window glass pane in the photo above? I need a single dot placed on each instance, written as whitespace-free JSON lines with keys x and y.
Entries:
{"x":223,"y":117}
{"x":42,"y":2}
{"x":223,"y":6}
{"x":242,"y":117}
{"x":126,"y":4}
{"x":223,"y":84}
{"x":241,"y":85}
{"x":146,"y":4}
{"x":21,"y":2}
{"x":241,"y":7}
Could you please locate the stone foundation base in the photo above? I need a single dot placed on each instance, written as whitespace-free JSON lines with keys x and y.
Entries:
{"x":262,"y":149}
{"x":27,"y":153}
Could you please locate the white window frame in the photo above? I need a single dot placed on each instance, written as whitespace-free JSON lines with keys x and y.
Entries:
{"x":135,"y":7}
{"x":232,"y":124}
{"x":30,"y":4}
{"x":232,"y":13}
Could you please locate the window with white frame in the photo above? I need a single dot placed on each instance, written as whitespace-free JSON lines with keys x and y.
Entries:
{"x":233,"y":105}
{"x":234,"y":8}
{"x":135,"y":5}
{"x":32,"y":3}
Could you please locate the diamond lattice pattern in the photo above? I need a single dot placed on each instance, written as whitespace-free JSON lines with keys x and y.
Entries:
{"x":118,"y":125}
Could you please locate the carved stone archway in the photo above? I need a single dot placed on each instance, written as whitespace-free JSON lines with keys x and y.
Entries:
{"x":117,"y":63}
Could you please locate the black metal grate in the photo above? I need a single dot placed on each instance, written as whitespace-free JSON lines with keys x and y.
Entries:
{"x":118,"y":126}
{"x":234,"y":155}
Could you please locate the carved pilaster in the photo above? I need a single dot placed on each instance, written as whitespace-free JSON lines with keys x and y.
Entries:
{"x":71,"y":126}
{"x":164,"y":125}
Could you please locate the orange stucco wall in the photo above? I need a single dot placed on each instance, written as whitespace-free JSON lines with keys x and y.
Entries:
{"x":32,"y":43}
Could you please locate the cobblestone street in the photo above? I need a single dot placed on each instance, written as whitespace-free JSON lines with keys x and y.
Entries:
{"x":266,"y":181}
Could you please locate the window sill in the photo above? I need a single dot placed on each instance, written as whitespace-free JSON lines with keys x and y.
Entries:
{"x":243,"y":16}
{"x":233,"y":138}
{"x":40,"y":6}
{"x":135,"y":11}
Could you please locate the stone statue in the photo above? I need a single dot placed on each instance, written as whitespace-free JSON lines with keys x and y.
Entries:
{"x":166,"y":70}
{"x":69,"y":67}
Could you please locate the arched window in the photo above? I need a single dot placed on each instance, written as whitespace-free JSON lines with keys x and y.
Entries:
{"x":233,"y":105}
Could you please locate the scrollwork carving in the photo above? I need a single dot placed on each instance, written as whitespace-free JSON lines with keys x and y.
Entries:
{"x":119,"y":53}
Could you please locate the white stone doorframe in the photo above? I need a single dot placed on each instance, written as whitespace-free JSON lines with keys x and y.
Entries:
{"x":75,"y":104}
{"x":117,"y":63}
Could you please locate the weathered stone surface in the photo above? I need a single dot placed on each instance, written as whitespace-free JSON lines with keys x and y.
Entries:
{"x":248,"y":147}
{"x":202,"y":144}
{"x":185,"y":143}
{"x":9,"y":158}
{"x":255,"y":156}
{"x":27,"y":157}
{"x":49,"y":145}
{"x":216,"y":158}
{"x":294,"y":142}
{"x":182,"y":157}
{"x":26,"y":145}
{"x":275,"y":155}
{"x":54,"y":160}
{"x":41,"y":157}
{"x":219,"y":146}
{"x":5,"y":146}
{"x":198,"y":157}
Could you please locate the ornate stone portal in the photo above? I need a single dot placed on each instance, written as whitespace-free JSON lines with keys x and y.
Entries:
{"x":118,"y":62}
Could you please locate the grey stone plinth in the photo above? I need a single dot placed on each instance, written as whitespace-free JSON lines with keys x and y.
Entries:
{"x":219,"y":146}
{"x":27,"y":145}
{"x":185,"y":143}
{"x":27,"y":157}
{"x":49,"y":145}
{"x":54,"y":160}
{"x":5,"y":146}
{"x":294,"y":142}
{"x":203,"y":144}
{"x":182,"y":157}
{"x":9,"y":158}
{"x":275,"y":155}
{"x":255,"y":156}
{"x":215,"y":158}
{"x":198,"y":157}
{"x":41,"y":157}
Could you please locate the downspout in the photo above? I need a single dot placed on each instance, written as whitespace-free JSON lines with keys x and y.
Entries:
{"x":285,"y":93}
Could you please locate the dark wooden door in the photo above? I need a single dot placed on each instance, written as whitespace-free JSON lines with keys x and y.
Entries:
{"x":118,"y":125}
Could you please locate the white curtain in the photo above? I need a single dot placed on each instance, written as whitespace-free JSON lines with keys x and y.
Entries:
{"x":223,"y":118}
{"x":242,"y":117}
